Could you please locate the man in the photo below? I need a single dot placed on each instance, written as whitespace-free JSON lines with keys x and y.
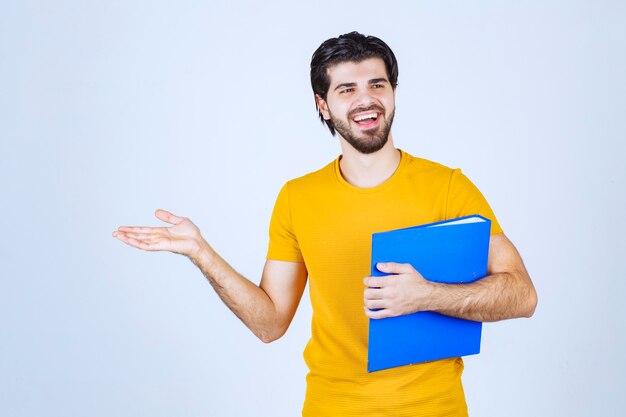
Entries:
{"x":321,"y":229}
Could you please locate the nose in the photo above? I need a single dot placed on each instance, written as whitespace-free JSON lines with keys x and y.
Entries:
{"x":364,"y":98}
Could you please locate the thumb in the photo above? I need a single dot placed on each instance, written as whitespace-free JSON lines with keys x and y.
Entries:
{"x":167,"y":217}
{"x":394,"y":268}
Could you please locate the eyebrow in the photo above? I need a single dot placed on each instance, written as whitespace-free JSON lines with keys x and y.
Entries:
{"x":372,"y":81}
{"x":342,"y":85}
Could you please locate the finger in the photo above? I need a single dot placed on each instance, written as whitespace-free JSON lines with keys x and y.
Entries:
{"x":168,"y":217}
{"x":375,"y":304}
{"x":377,"y":314}
{"x":141,"y":243}
{"x":375,"y":282}
{"x":122,"y":237}
{"x":145,"y":236}
{"x":148,"y":245}
{"x":138,"y":229}
{"x":394,"y":268}
{"x":373,"y":294}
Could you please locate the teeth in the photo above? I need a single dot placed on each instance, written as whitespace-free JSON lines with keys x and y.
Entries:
{"x":365,"y":116}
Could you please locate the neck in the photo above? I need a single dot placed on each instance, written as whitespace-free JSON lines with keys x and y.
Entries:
{"x":366,"y":171}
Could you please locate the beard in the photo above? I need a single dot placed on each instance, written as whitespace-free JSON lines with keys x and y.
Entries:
{"x":367,"y":142}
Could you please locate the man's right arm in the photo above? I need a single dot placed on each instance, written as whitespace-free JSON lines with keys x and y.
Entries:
{"x":267,"y":309}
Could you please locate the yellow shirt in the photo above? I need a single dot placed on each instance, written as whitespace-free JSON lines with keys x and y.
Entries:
{"x":323,"y":221}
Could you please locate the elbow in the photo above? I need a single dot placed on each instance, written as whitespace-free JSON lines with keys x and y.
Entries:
{"x":531,"y":303}
{"x":271,"y":335}
{"x":268,"y":338}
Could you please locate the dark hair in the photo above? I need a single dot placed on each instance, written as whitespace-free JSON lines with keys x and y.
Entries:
{"x":351,"y":47}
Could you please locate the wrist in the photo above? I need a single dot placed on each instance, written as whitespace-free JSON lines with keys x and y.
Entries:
{"x":201,"y":251}
{"x":433,"y":295}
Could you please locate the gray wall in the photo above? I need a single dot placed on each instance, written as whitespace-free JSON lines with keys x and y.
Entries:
{"x":109,"y":110}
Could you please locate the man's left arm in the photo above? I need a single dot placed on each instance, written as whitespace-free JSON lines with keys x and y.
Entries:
{"x":506,"y":292}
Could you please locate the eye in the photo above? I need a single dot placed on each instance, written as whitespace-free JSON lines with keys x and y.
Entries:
{"x":377,"y":85}
{"x":346,"y":90}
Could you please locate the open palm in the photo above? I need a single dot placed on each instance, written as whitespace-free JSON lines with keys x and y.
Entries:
{"x":183,"y":237}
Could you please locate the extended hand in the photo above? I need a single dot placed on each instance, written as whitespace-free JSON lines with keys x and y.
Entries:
{"x":183,"y":238}
{"x":395,"y":295}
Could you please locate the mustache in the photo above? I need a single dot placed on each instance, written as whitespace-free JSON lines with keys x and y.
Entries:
{"x":362,"y":109}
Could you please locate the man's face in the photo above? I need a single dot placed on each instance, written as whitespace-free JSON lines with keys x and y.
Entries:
{"x":360,"y":103}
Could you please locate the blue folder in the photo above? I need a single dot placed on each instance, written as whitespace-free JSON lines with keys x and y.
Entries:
{"x":453,"y":251}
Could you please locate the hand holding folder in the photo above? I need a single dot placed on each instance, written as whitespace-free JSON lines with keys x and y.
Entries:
{"x":453,"y":251}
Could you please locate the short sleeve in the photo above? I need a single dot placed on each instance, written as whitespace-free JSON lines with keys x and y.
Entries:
{"x":283,"y":245}
{"x":465,"y":199}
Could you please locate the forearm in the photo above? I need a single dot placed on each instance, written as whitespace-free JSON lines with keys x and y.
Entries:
{"x":496,"y":297}
{"x":248,"y":301}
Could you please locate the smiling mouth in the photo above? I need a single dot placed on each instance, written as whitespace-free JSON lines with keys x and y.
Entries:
{"x":367,"y":120}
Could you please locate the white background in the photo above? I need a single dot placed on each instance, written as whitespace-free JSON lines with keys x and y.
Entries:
{"x":109,"y":110}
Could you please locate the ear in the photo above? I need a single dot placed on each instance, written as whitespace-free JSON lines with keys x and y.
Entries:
{"x":322,"y":106}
